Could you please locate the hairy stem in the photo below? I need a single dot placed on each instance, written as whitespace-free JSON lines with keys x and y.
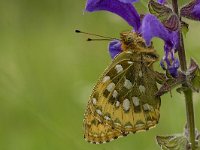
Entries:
{"x":188,"y":92}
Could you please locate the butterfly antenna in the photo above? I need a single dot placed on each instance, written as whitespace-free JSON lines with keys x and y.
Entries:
{"x":102,"y":38}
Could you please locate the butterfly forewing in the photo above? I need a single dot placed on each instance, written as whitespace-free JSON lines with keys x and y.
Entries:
{"x":123,"y":100}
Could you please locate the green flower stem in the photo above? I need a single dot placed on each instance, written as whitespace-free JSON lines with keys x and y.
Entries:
{"x":190,"y":116}
{"x":188,"y":92}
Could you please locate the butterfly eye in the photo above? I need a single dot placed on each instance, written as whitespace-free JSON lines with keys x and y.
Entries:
{"x":127,"y":37}
{"x":128,"y":40}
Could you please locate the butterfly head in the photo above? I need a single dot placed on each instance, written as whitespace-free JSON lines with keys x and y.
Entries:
{"x":132,"y":40}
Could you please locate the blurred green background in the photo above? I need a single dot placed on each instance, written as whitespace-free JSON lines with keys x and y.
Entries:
{"x":47,"y":73}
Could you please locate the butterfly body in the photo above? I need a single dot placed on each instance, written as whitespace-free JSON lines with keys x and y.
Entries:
{"x":123,"y":100}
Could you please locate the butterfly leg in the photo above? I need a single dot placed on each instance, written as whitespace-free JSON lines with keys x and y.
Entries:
{"x":147,"y":51}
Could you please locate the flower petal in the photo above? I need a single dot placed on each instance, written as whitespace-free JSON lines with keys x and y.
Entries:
{"x":191,"y":10}
{"x":152,"y":27}
{"x":196,"y":11}
{"x":161,"y":1}
{"x":122,"y":8}
{"x":173,"y":69}
{"x":170,"y":60}
{"x":114,"y":48}
{"x":128,"y":1}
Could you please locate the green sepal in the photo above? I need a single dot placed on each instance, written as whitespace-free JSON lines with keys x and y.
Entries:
{"x":193,"y":77}
{"x":184,"y":28}
{"x":196,"y":80}
{"x":181,"y":89}
{"x":171,"y":83}
{"x":160,"y":11}
{"x":172,"y":142}
{"x":165,"y":15}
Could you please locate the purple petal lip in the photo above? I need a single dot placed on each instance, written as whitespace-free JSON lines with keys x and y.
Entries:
{"x":152,"y":27}
{"x":114,"y":48}
{"x":173,"y":69}
{"x":192,"y":10}
{"x":122,"y":8}
{"x":161,"y":1}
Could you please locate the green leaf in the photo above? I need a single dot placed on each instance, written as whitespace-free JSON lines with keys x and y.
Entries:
{"x":172,"y":142}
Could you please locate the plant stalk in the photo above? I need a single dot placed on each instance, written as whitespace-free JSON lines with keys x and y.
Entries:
{"x":190,"y":116}
{"x":188,"y":91}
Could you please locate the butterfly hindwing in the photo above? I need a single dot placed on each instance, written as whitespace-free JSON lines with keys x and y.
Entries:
{"x":98,"y":132}
{"x":123,"y":100}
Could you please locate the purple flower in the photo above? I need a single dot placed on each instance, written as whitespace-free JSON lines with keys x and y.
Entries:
{"x":191,"y":10}
{"x":152,"y":27}
{"x":123,"y":8}
{"x":115,"y":48}
{"x":149,"y":27}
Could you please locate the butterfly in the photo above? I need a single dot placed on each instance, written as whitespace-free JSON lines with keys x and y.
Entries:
{"x":123,"y":101}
